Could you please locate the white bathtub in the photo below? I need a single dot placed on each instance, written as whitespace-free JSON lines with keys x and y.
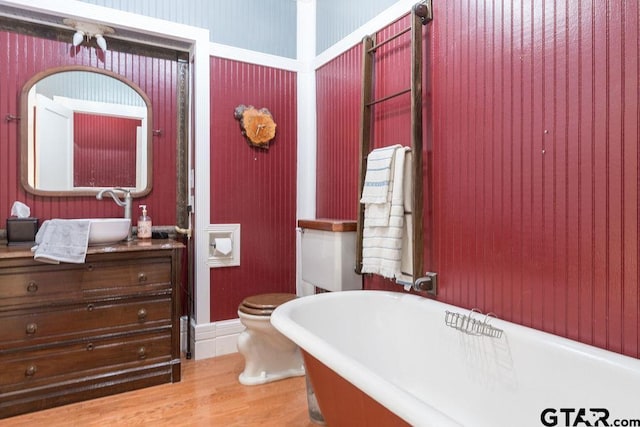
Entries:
{"x":397,"y":349}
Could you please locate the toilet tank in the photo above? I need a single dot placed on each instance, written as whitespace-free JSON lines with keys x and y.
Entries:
{"x":328,"y":252}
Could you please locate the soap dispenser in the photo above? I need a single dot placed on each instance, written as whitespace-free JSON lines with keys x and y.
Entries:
{"x":144,"y":224}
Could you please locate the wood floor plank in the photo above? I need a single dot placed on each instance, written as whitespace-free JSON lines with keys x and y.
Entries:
{"x":208,"y":395}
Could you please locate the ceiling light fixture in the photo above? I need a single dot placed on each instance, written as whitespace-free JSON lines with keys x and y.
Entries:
{"x":88,"y":30}
{"x":101,"y":42}
{"x":78,"y":37}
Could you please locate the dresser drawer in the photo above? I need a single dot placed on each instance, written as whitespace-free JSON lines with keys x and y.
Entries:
{"x":22,"y":328}
{"x":40,"y":367}
{"x":125,"y":277}
{"x":38,"y":284}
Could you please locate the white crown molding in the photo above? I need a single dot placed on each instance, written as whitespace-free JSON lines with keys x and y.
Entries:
{"x":252,"y":57}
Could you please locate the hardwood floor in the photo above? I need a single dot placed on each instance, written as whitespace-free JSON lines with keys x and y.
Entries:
{"x":208,"y":395}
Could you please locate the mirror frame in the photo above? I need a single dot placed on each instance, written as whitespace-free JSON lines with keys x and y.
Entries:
{"x":24,"y":110}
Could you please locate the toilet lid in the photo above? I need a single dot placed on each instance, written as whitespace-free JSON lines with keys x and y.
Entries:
{"x":264,"y":304}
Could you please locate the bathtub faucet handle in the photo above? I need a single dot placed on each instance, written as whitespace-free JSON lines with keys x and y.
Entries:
{"x":427,"y":283}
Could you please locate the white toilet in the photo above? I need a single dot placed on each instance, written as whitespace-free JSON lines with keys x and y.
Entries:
{"x":327,"y":262}
{"x":269,"y":355}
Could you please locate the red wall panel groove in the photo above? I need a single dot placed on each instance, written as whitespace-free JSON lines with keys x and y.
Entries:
{"x":536,"y":160}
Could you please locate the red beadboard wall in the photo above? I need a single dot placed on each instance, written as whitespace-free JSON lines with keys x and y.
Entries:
{"x":535,"y":151}
{"x":339,"y":89}
{"x":113,"y":139}
{"x":253,"y":187}
{"x":23,"y":56}
{"x":338,"y":101}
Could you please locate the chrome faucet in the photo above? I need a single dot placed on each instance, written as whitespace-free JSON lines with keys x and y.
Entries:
{"x":125,"y":203}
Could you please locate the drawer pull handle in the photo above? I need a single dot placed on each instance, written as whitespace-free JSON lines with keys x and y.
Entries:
{"x":90,"y":267}
{"x":89,"y":307}
{"x":142,"y":314}
{"x":32,"y":287}
{"x":90,"y":346}
{"x":142,"y":353}
{"x":142,"y":277}
{"x":30,"y":371}
{"x":32,"y":328}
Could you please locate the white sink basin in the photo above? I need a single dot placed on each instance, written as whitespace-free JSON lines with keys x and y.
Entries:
{"x":105,"y":231}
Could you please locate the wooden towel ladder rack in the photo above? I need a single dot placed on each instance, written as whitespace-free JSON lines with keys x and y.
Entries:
{"x":421,"y":14}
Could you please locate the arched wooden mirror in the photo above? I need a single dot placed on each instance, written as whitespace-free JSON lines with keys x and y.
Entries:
{"x":84,"y":129}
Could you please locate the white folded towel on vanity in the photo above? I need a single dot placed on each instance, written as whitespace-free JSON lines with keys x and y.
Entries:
{"x":382,"y":244}
{"x":62,"y":240}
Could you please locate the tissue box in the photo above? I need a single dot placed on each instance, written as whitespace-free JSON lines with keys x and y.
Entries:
{"x":21,"y":231}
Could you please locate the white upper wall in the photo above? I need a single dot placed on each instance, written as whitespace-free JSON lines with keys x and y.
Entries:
{"x":336,"y":19}
{"x":267,"y":26}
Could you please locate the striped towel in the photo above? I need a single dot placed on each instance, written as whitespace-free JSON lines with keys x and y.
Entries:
{"x":378,"y":176}
{"x":382,"y":245}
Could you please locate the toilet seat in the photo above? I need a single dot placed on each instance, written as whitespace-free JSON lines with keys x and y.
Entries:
{"x":264,"y":304}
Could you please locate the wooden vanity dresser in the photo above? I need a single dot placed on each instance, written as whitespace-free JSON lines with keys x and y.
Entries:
{"x":72,"y":332}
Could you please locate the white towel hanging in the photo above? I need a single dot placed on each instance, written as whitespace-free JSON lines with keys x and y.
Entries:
{"x":379,"y":175}
{"x":382,"y":245}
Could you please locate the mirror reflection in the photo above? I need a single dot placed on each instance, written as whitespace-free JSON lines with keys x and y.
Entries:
{"x":84,"y":129}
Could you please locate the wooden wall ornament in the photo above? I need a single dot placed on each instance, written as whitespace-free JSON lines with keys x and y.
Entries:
{"x":257,"y":126}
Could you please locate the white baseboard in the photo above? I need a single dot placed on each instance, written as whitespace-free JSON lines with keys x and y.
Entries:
{"x":211,"y":339}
